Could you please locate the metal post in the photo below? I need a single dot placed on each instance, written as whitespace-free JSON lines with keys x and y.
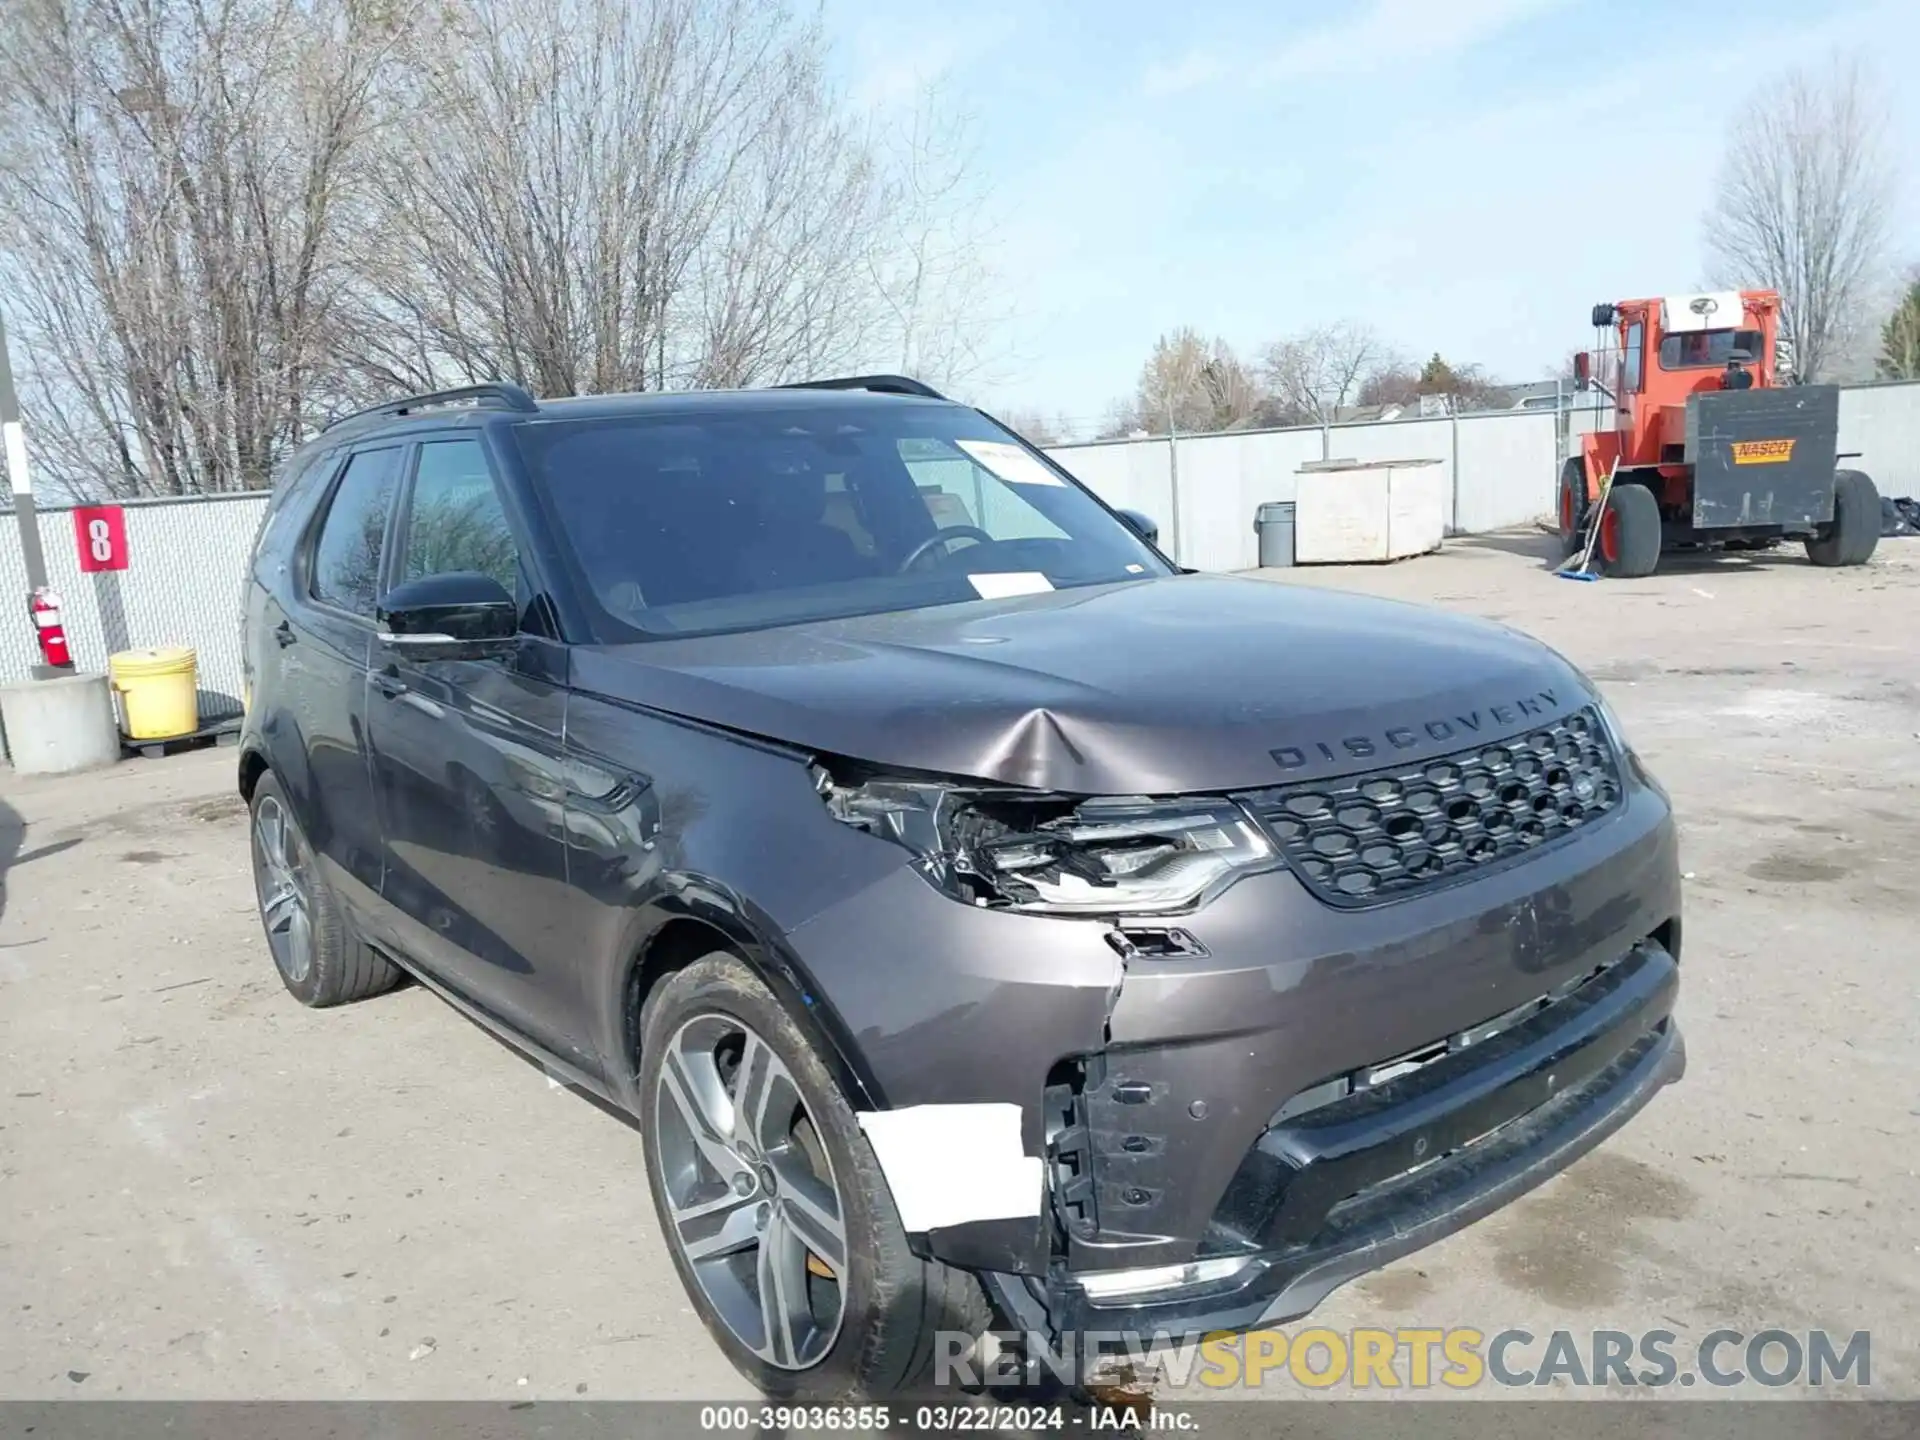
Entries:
{"x":1453,"y":506}
{"x":1173,"y":483}
{"x":24,"y":517}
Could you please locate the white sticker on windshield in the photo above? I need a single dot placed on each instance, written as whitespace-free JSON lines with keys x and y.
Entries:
{"x":1010,"y":462}
{"x":1010,"y":582}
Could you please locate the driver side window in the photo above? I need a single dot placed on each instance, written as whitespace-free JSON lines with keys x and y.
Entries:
{"x":456,"y":521}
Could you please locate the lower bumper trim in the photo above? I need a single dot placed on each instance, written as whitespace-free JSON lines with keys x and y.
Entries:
{"x":1379,"y":1227}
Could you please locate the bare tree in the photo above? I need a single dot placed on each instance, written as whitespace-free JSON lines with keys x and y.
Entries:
{"x":176,"y":171}
{"x":1394,"y":383}
{"x":1195,"y":385}
{"x":1316,"y":373}
{"x":1037,"y":428}
{"x":1802,"y":207}
{"x":935,"y":289}
{"x":597,"y":196}
{"x":239,"y":217}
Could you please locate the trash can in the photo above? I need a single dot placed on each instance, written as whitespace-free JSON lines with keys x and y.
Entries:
{"x":1273,"y":523}
{"x":159,"y":692}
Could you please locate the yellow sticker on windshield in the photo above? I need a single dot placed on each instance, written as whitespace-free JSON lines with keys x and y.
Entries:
{"x":1010,"y":462}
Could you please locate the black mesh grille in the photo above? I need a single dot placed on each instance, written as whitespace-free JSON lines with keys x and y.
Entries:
{"x":1364,"y":839}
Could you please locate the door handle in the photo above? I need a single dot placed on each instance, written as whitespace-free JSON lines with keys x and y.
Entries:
{"x":391,"y":686}
{"x":283,"y":635}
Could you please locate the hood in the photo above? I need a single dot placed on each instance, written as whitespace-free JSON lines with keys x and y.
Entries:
{"x":1189,"y":683}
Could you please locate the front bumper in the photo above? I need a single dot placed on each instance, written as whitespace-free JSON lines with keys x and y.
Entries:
{"x":1346,"y":1188}
{"x":1157,"y":1087}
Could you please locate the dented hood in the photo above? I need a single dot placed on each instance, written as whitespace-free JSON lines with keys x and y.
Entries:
{"x":1189,"y":683}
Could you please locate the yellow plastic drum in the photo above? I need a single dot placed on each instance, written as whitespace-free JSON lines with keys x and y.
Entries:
{"x":158,"y":689}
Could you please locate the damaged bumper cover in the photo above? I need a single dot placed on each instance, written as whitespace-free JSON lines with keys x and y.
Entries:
{"x":1339,"y":1191}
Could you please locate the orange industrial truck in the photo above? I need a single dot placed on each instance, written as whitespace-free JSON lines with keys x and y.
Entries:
{"x":1707,"y":443}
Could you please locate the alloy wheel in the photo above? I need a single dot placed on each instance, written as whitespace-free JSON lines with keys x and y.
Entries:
{"x":750,"y":1191}
{"x":280,"y":880}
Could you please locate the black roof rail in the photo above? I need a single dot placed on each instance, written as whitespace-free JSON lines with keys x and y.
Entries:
{"x":499,"y":394}
{"x":884,"y":384}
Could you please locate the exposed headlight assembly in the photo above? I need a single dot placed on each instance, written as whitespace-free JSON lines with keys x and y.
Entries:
{"x":1048,"y":853}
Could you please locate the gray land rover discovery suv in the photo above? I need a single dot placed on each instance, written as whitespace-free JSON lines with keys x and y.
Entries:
{"x":984,"y":920}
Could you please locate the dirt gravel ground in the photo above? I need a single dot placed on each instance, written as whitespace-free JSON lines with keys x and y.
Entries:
{"x":208,"y":1192}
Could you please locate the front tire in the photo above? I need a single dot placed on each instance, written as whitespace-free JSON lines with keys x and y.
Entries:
{"x":320,"y":960}
{"x":1855,"y":532}
{"x":1629,"y":546}
{"x":773,"y":1206}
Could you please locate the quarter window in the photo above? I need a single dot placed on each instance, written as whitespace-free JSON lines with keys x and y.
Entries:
{"x":346,"y":560}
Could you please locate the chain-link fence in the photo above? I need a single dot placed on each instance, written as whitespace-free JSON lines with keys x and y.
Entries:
{"x":186,"y":568}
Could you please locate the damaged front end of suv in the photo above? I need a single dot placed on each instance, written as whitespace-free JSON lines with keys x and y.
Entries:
{"x":1344,"y":1017}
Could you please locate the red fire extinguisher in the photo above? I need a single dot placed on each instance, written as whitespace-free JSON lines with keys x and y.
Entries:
{"x":44,"y":605}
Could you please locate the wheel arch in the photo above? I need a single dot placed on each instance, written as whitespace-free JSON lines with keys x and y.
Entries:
{"x":684,"y":929}
{"x":253,"y":765}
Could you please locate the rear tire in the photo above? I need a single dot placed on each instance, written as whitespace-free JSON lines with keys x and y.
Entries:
{"x":320,"y":960}
{"x":1572,"y":505}
{"x":1855,"y":532}
{"x":1629,"y":545}
{"x":866,"y":1329}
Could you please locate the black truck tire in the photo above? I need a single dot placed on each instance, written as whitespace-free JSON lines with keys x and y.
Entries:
{"x":1855,"y":531}
{"x":1571,"y":505}
{"x":1630,"y":532}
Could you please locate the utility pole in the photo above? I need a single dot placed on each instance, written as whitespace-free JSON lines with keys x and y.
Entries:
{"x":1173,"y":483}
{"x":24,"y":518}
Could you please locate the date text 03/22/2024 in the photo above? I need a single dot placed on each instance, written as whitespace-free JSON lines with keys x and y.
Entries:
{"x":981,"y":1419}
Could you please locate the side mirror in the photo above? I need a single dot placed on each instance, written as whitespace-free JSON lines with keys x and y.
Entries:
{"x":1582,"y":370}
{"x":1145,"y":526}
{"x":1604,"y":314}
{"x":459,"y":616}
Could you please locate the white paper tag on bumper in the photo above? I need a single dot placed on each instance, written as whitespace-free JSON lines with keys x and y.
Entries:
{"x":1010,"y":582}
{"x":951,"y":1164}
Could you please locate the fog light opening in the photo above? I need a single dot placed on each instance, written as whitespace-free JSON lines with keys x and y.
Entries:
{"x":1113,"y":1284}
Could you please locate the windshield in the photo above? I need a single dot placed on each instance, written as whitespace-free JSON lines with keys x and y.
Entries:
{"x":1697,"y":348}
{"x":716,"y":520}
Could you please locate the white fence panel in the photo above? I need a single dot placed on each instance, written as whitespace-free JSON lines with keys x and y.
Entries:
{"x":1882,"y":422}
{"x":1508,"y":465}
{"x":1127,"y":474}
{"x":1224,"y":479}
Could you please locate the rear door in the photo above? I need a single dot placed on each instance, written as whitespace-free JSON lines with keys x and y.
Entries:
{"x":317,"y":636}
{"x":466,"y":757}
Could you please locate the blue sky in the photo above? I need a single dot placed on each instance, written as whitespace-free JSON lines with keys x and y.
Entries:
{"x":1462,"y":175}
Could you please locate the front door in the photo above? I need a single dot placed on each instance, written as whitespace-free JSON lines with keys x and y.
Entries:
{"x":466,"y":762}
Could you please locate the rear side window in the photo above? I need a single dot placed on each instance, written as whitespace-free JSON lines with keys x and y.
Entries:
{"x":456,"y":520}
{"x":346,"y":560}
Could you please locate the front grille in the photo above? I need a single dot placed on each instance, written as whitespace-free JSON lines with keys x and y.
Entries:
{"x":1386,"y":834}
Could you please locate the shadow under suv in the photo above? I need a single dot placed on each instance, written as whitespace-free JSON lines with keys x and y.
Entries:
{"x":980,"y":916}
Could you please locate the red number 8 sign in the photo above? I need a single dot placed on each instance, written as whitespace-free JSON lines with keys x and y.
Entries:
{"x":101,"y":533}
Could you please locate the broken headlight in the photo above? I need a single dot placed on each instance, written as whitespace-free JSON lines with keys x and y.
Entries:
{"x":1047,"y":853}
